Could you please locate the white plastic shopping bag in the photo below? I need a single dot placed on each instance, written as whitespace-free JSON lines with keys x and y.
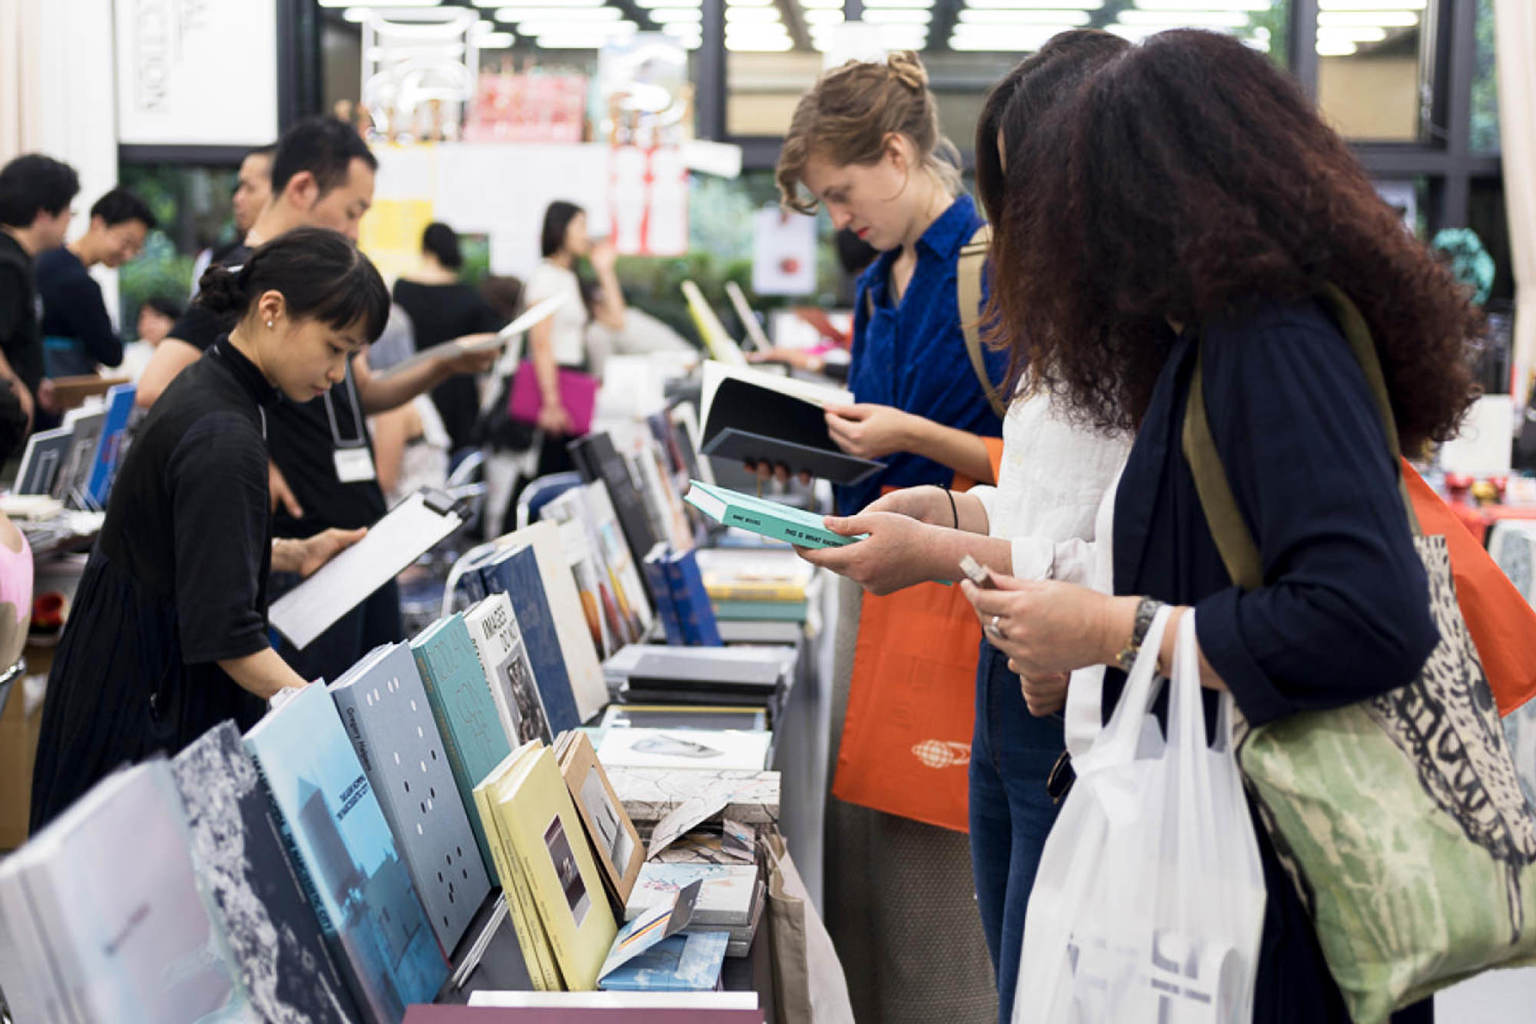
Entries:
{"x":1149,"y":900}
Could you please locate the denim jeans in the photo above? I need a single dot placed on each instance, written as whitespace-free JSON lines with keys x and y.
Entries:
{"x":1012,"y":752}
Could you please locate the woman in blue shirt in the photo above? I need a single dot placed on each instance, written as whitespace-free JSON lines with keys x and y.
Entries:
{"x":1218,"y":208}
{"x":865,"y":144}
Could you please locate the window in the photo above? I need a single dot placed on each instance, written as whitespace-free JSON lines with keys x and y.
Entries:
{"x":1368,"y":68}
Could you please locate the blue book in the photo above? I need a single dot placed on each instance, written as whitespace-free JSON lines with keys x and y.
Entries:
{"x":692,"y":601}
{"x":686,"y":962}
{"x":465,"y":712}
{"x":656,"y":581}
{"x":389,"y":720}
{"x":237,"y":849}
{"x":346,"y":855}
{"x":515,"y":572}
{"x":111,"y":447}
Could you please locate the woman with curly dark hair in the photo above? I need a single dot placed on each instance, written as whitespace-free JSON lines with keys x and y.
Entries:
{"x":1188,"y":200}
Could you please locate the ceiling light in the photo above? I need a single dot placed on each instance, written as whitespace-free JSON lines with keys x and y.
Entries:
{"x":748,"y":3}
{"x":675,"y":15}
{"x":1387,"y":19}
{"x":564,"y":15}
{"x":1066,"y":19}
{"x":667,"y":3}
{"x":583,"y":39}
{"x":870,"y":5}
{"x":1203,"y":6}
{"x":896,"y":16}
{"x":759,"y":44}
{"x":1000,"y":42}
{"x":823,"y":16}
{"x":495,"y":40}
{"x":1370,"y":5}
{"x":1036,"y":5}
{"x":1185,"y":19}
{"x":1336,"y":48}
{"x":537,"y":3}
{"x":823,"y":4}
{"x":1354,"y":33}
{"x":751,"y":16}
{"x":378,"y":3}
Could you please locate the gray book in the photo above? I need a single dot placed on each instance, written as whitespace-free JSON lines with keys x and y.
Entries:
{"x":389,"y":720}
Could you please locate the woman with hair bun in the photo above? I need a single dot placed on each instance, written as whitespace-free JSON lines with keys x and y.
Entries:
{"x":168,"y":634}
{"x":442,"y":307}
{"x":865,"y":143}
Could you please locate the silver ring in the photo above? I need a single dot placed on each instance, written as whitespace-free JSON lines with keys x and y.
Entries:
{"x":995,"y":629}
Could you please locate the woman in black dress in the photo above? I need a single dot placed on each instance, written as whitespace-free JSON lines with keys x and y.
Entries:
{"x":442,"y":308}
{"x":1186,"y":201}
{"x":168,"y":634}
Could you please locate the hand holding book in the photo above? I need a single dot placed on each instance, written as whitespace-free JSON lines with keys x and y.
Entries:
{"x":883,"y":561}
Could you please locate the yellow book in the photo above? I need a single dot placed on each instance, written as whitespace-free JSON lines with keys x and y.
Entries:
{"x":535,"y":812}
{"x":538,"y":956}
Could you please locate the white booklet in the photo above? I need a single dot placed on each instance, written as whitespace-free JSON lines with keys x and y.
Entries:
{"x":410,"y":529}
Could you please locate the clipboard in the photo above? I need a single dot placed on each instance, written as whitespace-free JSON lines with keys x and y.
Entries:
{"x":409,"y":530}
{"x":530,"y":318}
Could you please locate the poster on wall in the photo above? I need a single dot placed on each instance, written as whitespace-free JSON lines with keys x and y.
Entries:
{"x":783,"y":252}
{"x":196,"y":72}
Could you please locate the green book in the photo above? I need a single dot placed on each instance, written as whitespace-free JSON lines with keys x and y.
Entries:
{"x":766,"y":518}
{"x":756,"y":611}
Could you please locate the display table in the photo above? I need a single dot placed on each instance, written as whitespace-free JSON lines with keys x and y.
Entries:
{"x":1479,"y":519}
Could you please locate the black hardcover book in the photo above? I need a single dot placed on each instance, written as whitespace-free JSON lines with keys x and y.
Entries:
{"x":597,"y":459}
{"x":836,"y":466}
{"x":238,"y":850}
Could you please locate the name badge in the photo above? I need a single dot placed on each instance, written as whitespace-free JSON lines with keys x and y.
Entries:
{"x":354,"y":465}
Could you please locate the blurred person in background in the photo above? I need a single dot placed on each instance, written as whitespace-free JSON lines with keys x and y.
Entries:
{"x":443,"y":308}
{"x":157,"y":315}
{"x":253,"y":190}
{"x":35,"y":196}
{"x":78,"y":335}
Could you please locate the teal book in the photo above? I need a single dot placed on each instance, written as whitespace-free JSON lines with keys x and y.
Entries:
{"x":348,"y":861}
{"x":760,"y":611}
{"x":461,"y":701}
{"x":765,"y":518}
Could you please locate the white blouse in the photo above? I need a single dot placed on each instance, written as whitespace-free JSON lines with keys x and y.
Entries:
{"x":568,"y":325}
{"x":1054,"y":475}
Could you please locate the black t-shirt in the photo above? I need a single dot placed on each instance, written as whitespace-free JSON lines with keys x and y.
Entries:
{"x":74,"y":312}
{"x":20,"y":336}
{"x":303,"y":439}
{"x":440,"y":313}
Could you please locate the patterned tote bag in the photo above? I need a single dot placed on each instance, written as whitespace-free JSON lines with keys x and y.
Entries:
{"x":1400,"y":819}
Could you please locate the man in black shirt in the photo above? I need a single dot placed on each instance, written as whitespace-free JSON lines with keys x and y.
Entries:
{"x":35,"y":193}
{"x":77,"y":331}
{"x":322,"y":455}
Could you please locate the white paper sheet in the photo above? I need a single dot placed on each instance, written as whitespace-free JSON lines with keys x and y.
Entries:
{"x":394,"y":542}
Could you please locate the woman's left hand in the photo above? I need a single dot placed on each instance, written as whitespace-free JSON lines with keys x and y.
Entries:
{"x":324,"y":546}
{"x":869,"y":431}
{"x":1044,"y":627}
{"x":882,"y":562}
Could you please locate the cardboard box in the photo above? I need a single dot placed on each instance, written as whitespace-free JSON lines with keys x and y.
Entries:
{"x":18,"y":748}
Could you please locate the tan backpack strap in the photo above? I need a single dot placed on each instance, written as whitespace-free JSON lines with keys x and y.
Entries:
{"x":968,"y":271}
{"x":1233,"y":539}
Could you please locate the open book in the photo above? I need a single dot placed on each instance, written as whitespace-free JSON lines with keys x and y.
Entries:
{"x":755,"y":415}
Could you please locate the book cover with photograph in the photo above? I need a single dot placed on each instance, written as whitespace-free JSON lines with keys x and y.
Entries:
{"x":351,"y":866}
{"x":551,"y":847}
{"x":725,"y":898}
{"x":684,"y":748}
{"x":238,"y":850}
{"x":514,"y":571}
{"x":493,"y":627}
{"x":612,"y":834}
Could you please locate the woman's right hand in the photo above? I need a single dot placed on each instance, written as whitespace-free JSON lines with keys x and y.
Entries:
{"x":553,"y":419}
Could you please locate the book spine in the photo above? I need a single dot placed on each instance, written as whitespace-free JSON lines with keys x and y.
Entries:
{"x":691,"y":582}
{"x":778,"y":530}
{"x":788,"y":593}
{"x":682,"y":600}
{"x":530,"y":942}
{"x":661,"y":590}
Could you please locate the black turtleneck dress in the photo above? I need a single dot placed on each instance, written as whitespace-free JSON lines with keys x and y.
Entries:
{"x":176,"y":582}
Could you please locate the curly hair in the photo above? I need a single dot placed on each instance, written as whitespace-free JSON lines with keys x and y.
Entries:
{"x":1188,"y":178}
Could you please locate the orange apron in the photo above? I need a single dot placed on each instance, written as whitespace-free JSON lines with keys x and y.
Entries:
{"x":906,"y":743}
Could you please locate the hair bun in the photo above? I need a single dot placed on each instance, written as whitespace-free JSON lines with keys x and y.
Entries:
{"x":908,"y":69}
{"x":219,"y":291}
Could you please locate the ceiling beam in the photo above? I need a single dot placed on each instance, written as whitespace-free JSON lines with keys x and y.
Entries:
{"x":637,"y":14}
{"x":794,"y":21}
{"x":945,"y":14}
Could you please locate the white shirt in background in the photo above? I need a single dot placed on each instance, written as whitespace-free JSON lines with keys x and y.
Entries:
{"x":567,"y":327}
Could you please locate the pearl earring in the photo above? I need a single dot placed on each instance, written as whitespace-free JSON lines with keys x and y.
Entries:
{"x":269,"y":325}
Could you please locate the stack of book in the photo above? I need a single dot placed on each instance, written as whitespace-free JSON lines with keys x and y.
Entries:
{"x":761,"y":585}
{"x":682,"y":602}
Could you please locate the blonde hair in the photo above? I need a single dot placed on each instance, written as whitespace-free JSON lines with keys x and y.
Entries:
{"x":847,"y":115}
